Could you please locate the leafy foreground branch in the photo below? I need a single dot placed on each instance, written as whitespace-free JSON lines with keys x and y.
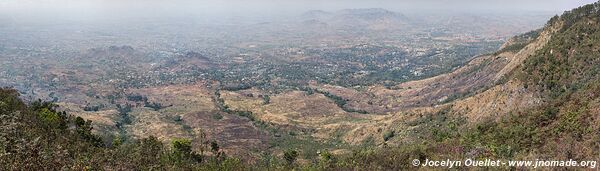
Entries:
{"x":37,"y":137}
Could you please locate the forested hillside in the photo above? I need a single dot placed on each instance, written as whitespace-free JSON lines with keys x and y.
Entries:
{"x":37,"y":137}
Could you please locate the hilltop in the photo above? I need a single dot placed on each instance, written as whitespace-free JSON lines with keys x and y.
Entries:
{"x":368,"y":18}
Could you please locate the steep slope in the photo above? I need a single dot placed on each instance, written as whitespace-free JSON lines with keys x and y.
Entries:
{"x":479,"y":74}
{"x":561,"y":62}
{"x":549,"y":100}
{"x":509,"y":96}
{"x":545,"y":97}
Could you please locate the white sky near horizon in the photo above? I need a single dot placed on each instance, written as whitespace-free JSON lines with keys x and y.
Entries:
{"x":120,"y":8}
{"x":539,"y":5}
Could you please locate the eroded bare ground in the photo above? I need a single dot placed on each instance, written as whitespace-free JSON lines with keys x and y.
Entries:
{"x":475,"y":76}
{"x":480,"y":74}
{"x":188,"y":112}
{"x":297,"y":110}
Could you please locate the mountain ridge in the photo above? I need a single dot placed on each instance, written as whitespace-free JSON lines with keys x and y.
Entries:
{"x":371,"y":18}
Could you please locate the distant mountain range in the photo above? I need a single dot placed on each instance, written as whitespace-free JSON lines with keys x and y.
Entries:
{"x":371,"y":18}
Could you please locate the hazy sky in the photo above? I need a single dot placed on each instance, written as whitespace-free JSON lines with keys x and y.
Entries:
{"x":548,"y":5}
{"x":95,"y":8}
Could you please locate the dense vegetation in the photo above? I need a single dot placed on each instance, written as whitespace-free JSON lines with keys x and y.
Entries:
{"x":37,"y":137}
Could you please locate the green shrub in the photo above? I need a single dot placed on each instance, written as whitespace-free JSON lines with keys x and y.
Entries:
{"x":290,"y":156}
{"x":388,"y":135}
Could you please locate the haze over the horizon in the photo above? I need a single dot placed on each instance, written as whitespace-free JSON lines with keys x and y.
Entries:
{"x":249,"y":11}
{"x":279,"y":6}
